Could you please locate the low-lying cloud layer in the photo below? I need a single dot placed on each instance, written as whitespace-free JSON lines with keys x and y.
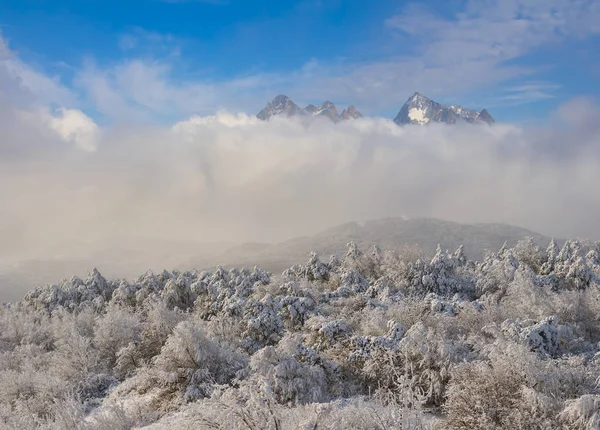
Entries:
{"x":232,"y":178}
{"x":73,"y":189}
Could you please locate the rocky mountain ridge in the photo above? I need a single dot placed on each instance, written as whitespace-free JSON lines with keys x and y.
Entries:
{"x":421,"y":110}
{"x":418,"y":109}
{"x":282,"y":105}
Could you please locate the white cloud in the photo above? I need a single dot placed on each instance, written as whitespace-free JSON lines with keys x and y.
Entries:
{"x":29,"y":83}
{"x":25,"y":95}
{"x":231,"y":177}
{"x":140,"y":40}
{"x":76,"y":127}
{"x":224,"y":118}
{"x":474,"y":50}
{"x":139,"y":90}
{"x":497,"y":30}
{"x":579,"y":112}
{"x":447,"y":57}
{"x":527,"y":92}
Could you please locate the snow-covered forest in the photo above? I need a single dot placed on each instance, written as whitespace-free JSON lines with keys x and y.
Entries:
{"x":372,"y":340}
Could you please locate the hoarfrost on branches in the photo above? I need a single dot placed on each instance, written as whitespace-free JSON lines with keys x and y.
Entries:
{"x":369,"y":340}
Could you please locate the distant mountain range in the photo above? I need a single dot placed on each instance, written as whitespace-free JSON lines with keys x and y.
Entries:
{"x":418,"y":109}
{"x":388,"y":233}
{"x":129,"y":259}
{"x":284,"y":106}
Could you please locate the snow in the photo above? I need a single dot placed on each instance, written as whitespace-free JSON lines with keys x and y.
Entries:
{"x":397,"y":338}
{"x":418,"y":115}
{"x":318,"y":110}
{"x":73,"y":126}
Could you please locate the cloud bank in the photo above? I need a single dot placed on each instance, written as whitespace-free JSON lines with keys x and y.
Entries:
{"x":233,"y":178}
{"x":73,"y":188}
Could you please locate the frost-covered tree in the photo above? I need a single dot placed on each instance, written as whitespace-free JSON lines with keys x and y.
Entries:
{"x":443,"y":275}
{"x":263,"y":323}
{"x":378,"y":340}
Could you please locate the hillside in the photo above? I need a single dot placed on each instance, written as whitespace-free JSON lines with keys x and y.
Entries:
{"x":388,"y":233}
{"x":130,"y":259}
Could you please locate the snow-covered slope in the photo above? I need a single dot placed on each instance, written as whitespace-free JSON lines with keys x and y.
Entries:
{"x":421,"y":110}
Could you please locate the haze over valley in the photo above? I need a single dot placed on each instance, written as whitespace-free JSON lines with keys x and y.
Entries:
{"x":130,"y":199}
{"x":309,"y":214}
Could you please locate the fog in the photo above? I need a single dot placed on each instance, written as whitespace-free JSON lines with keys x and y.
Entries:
{"x":75,"y":190}
{"x":232,"y":178}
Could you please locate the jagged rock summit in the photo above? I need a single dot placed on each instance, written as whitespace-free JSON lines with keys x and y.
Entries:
{"x":284,"y":106}
{"x":485,"y":116}
{"x":327,"y":109}
{"x":418,"y":109}
{"x":280,"y":105}
{"x":421,"y":110}
{"x":351,"y":112}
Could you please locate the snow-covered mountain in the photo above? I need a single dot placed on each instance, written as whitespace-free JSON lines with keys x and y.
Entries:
{"x":421,"y":110}
{"x":351,"y":112}
{"x":284,"y":106}
{"x":280,"y":105}
{"x":327,"y":109}
{"x":418,"y":109}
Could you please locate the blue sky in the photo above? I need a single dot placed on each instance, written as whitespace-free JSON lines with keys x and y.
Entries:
{"x":153,"y":60}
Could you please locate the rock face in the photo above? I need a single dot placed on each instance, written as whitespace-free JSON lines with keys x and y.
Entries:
{"x":486,"y":117}
{"x":351,"y":113}
{"x":421,"y":110}
{"x":327,"y":109}
{"x":418,"y":109}
{"x":284,"y":106}
{"x":280,"y":105}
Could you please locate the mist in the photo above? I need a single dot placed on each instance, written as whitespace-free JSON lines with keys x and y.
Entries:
{"x":74,"y":190}
{"x":233,"y":178}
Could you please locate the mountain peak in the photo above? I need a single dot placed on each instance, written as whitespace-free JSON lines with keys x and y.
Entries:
{"x":418,"y":109}
{"x":282,"y":105}
{"x":328,"y":109}
{"x":417,"y":97}
{"x":351,"y":113}
{"x":281,"y":98}
{"x":421,"y":110}
{"x":485,"y":116}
